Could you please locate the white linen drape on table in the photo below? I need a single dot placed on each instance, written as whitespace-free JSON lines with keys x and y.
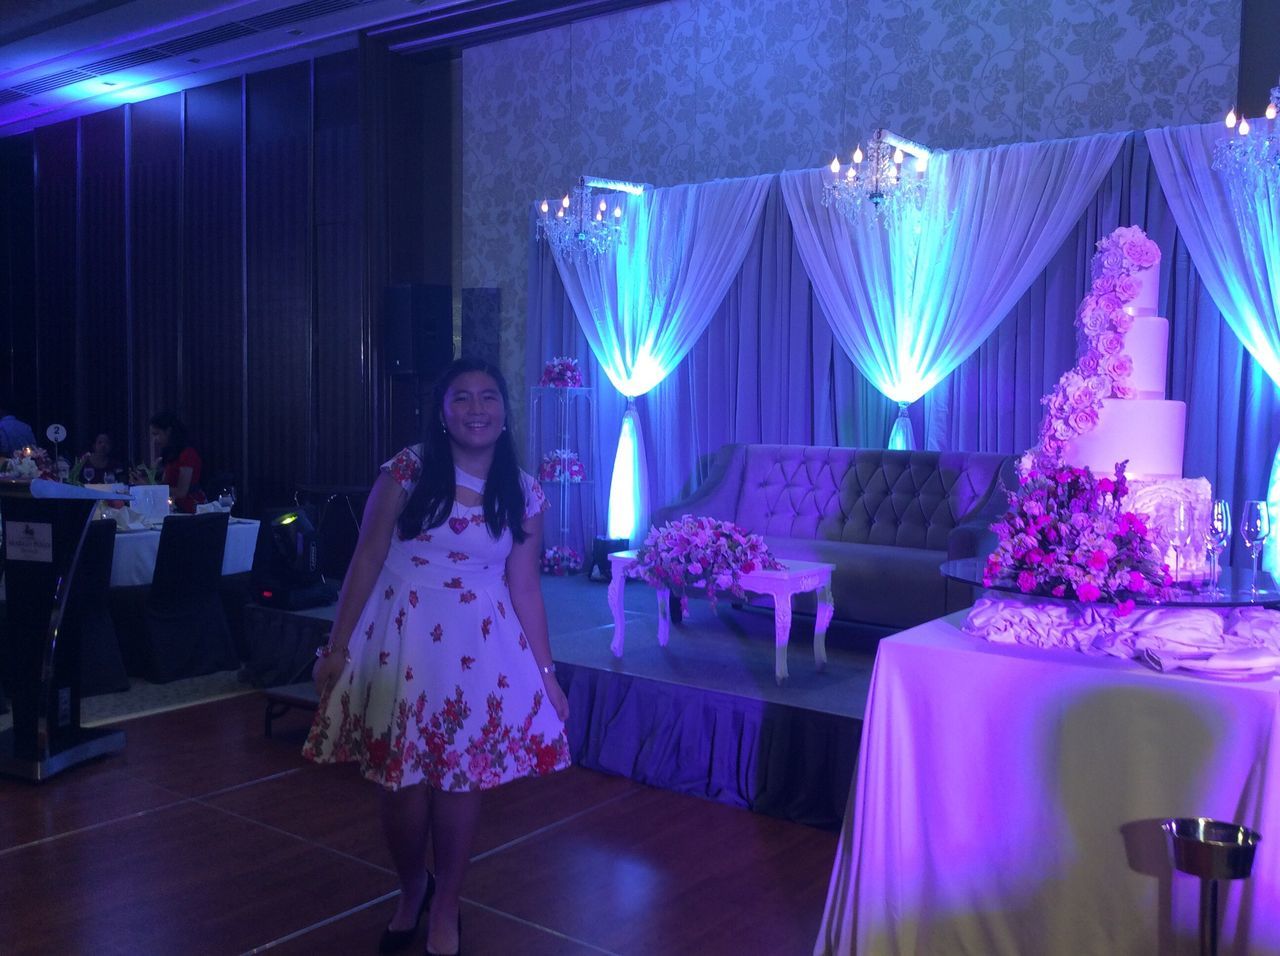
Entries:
{"x":1233,"y":235}
{"x":910,"y":304}
{"x":644,"y":303}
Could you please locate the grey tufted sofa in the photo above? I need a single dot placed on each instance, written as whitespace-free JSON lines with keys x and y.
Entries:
{"x":885,"y":519}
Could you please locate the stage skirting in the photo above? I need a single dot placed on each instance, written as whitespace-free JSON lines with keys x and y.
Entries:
{"x":1008,"y":801}
{"x":784,"y":761}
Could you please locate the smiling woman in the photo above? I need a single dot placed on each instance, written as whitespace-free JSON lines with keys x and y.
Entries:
{"x":437,"y":678}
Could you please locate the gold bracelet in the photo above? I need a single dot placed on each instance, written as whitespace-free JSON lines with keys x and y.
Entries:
{"x":326,"y":650}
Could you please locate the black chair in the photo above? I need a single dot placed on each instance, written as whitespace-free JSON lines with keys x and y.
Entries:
{"x":101,"y":662}
{"x":185,"y":628}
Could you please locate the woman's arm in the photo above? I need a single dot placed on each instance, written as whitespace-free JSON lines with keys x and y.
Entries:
{"x":376,"y":528}
{"x":524,"y":579}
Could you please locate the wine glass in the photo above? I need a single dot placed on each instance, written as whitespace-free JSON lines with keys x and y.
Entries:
{"x":1217,"y":535}
{"x":227,"y":498}
{"x":1180,"y":537}
{"x":1255,"y":526}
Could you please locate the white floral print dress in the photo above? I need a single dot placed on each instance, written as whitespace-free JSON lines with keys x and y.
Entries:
{"x":442,"y":686}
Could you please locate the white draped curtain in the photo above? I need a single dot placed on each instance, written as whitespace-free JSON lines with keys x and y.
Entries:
{"x":910,"y":302}
{"x":1232,"y":230}
{"x":644,"y":303}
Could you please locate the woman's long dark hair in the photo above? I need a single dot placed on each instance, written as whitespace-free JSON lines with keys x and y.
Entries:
{"x":178,"y":438}
{"x":432,"y":500}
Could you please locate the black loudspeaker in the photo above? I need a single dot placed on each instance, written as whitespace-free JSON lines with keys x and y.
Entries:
{"x":418,"y":329}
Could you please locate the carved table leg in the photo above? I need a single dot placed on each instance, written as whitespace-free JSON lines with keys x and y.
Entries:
{"x":826,"y":610}
{"x":664,"y":616}
{"x":781,"y":634}
{"x":616,"y":581}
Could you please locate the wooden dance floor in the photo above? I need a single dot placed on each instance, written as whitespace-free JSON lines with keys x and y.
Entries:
{"x":206,"y":837}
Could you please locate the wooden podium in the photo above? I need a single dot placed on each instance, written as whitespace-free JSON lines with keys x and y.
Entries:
{"x":40,"y":637}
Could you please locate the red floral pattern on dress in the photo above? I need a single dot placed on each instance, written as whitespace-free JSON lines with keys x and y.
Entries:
{"x":467,"y":717}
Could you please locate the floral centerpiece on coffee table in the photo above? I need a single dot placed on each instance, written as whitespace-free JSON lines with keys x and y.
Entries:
{"x":561,"y":465}
{"x":1067,"y":534}
{"x":561,"y":560}
{"x":700,"y":553}
{"x":561,"y":372}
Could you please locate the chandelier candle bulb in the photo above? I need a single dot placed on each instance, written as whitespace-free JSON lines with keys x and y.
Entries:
{"x":1244,"y":127}
{"x":835,"y":166}
{"x":545,"y":207}
{"x":1231,"y":118}
{"x":857,"y":155}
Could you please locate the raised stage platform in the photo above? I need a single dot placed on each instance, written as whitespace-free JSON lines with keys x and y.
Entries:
{"x":702,"y":716}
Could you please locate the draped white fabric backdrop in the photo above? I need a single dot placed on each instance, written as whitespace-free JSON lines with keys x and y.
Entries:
{"x":1232,"y":229}
{"x":911,"y":302}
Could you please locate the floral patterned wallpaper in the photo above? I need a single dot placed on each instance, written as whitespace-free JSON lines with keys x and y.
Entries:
{"x":692,"y":90}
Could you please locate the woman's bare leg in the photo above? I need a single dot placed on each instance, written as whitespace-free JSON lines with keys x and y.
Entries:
{"x":454,"y":818}
{"x":406,"y":817}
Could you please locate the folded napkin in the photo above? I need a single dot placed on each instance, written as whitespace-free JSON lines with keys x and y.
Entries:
{"x":211,"y":507}
{"x":1246,"y":659}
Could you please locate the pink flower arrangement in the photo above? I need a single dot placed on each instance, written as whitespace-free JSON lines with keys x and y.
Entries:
{"x":561,"y":560}
{"x":1068,"y":535}
{"x":1103,"y":368}
{"x":561,"y":465}
{"x":701,"y":553}
{"x":562,"y":372}
{"x":27,"y":463}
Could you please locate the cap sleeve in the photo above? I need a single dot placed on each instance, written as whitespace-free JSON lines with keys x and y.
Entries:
{"x":535,"y":502}
{"x":405,"y":467}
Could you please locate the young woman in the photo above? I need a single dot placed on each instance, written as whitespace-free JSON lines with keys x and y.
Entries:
{"x":178,"y":462}
{"x":437,"y":677}
{"x":100,"y":463}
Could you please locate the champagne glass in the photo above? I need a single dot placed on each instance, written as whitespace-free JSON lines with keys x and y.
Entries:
{"x":1180,"y":537}
{"x":1255,"y":526}
{"x":1217,"y":536}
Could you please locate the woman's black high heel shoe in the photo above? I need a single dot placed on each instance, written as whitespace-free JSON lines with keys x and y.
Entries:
{"x":394,"y":940}
{"x":456,"y":952}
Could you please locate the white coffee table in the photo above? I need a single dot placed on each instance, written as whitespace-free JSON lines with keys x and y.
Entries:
{"x":795,"y":577}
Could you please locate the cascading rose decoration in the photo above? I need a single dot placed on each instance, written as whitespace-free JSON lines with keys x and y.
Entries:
{"x":561,"y":560}
{"x":1067,"y":534}
{"x":561,"y":372}
{"x":1103,"y":368}
{"x":700,"y":553}
{"x":561,"y":465}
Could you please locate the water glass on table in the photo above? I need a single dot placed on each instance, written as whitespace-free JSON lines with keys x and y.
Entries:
{"x":1255,"y":527}
{"x":227,"y":498}
{"x":1217,"y":536}
{"x":1180,"y":538}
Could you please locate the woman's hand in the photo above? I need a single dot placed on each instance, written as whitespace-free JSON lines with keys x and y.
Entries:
{"x":555,"y":696}
{"x":327,"y":669}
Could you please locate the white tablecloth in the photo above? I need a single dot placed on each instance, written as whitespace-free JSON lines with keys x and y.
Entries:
{"x":1006,"y":800}
{"x":134,"y":559}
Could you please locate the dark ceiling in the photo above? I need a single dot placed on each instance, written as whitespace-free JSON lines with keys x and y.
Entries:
{"x":64,"y":58}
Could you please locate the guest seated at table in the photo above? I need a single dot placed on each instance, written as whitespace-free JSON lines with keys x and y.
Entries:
{"x":177,"y":462}
{"x":14,"y":433}
{"x":99,"y":465}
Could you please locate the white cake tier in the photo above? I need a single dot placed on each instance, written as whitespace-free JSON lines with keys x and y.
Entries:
{"x":1158,"y":500}
{"x":1147,"y":301}
{"x":1147,"y":343}
{"x":1148,"y":433}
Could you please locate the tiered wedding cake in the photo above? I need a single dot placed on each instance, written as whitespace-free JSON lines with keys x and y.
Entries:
{"x":1111,"y":407}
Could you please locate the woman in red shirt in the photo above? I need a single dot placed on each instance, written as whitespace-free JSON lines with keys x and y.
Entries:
{"x":180,"y":462}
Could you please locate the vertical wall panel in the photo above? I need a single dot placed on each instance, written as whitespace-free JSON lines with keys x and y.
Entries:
{"x":279,"y":280}
{"x":156,"y":227}
{"x":102,"y":352}
{"x":341,"y":413}
{"x":17,"y":273}
{"x":213,"y":331}
{"x":56,"y":275}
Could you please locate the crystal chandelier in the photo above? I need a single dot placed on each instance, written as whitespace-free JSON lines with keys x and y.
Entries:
{"x":582,"y":225}
{"x":875,"y":187}
{"x":1253,"y":156}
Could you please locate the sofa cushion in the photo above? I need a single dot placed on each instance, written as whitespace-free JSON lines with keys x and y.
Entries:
{"x":883,"y":584}
{"x":910,"y":499}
